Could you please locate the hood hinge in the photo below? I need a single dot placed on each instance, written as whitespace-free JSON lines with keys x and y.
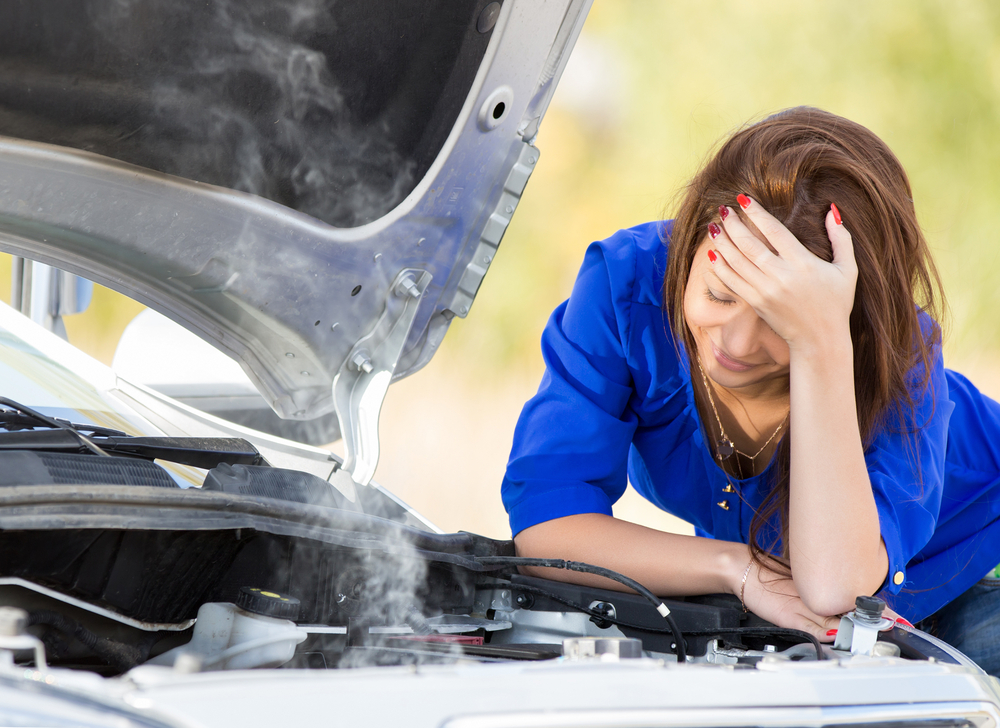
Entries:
{"x":363,"y":379}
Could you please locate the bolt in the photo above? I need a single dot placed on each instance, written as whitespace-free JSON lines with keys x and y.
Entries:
{"x":487,"y":258}
{"x":869,"y":609}
{"x":290,"y":355}
{"x":531,"y":160}
{"x":408,"y":287}
{"x":334,"y":325}
{"x":510,"y":209}
{"x":377,"y":256}
{"x":362,"y":362}
{"x":304,"y":373}
{"x":463,"y":310}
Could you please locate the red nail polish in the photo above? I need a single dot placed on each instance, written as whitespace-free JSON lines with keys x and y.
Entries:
{"x":900,"y":620}
{"x":743,"y":200}
{"x":723,"y":212}
{"x":831,"y":633}
{"x":836,"y":214}
{"x":712,"y":256}
{"x":714,"y":230}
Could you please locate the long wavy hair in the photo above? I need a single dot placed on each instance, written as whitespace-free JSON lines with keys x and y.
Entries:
{"x":795,"y":163}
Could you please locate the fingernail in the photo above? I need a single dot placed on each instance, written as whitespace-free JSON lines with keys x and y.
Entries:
{"x":711,"y":255}
{"x":831,"y":633}
{"x":714,"y":230}
{"x":900,"y":620}
{"x":743,"y":200}
{"x":723,"y":212}
{"x":836,"y":214}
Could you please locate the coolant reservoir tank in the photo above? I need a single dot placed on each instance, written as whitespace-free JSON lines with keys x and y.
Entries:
{"x":258,"y":632}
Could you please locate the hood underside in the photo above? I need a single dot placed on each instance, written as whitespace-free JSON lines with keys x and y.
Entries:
{"x":316,"y":187}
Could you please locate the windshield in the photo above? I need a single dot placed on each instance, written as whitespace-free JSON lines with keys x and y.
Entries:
{"x":37,"y":379}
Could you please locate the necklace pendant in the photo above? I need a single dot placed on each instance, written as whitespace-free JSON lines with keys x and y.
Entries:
{"x":724,"y":447}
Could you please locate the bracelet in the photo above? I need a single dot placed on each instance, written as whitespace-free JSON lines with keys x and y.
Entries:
{"x":743,"y":586}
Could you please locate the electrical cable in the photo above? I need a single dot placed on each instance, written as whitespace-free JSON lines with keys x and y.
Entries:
{"x":583,"y":568}
{"x":761,"y":631}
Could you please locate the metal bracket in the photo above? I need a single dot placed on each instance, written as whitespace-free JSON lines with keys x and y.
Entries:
{"x":363,"y":379}
{"x":860,"y":635}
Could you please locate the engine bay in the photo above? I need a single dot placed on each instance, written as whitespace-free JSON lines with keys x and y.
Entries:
{"x":114,"y":565}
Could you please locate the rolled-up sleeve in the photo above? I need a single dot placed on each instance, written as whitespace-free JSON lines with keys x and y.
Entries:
{"x":906,"y":465}
{"x":571,"y":443}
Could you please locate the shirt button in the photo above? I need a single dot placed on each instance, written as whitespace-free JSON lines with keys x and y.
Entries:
{"x":897,"y":578}
{"x":729,"y":488}
{"x":724,"y":505}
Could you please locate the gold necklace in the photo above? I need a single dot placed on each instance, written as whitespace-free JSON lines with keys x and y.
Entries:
{"x":724,"y":447}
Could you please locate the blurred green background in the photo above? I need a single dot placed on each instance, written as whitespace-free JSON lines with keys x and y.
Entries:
{"x":651,"y":88}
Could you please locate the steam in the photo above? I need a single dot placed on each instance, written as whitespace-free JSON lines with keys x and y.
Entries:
{"x":390,"y":596}
{"x":243,"y":98}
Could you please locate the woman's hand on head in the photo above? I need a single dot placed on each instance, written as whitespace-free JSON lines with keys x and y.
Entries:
{"x":804,"y":299}
{"x":775,"y":598}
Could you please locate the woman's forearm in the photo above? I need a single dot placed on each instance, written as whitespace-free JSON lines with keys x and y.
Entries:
{"x":669,"y":564}
{"x":834,"y":541}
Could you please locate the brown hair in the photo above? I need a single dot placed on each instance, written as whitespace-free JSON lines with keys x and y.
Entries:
{"x":795,"y":163}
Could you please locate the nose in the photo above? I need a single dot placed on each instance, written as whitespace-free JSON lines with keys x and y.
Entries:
{"x":743,"y":333}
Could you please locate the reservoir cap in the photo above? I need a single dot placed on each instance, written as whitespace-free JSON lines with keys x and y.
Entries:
{"x":267,"y":603}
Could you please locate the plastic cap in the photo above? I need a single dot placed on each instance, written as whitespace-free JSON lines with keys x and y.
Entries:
{"x":267,"y":603}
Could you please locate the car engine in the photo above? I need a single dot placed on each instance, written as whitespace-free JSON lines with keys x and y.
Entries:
{"x":107,"y":564}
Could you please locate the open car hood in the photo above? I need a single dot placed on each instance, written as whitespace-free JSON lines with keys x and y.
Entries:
{"x":317,"y":188}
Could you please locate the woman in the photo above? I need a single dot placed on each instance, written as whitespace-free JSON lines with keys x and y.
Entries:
{"x":773,"y":375}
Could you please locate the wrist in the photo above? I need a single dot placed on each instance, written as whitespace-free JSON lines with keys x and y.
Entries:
{"x":732,"y":565}
{"x":832,"y":351}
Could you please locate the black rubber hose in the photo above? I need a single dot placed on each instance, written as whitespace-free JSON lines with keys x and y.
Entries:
{"x":121,"y":656}
{"x":583,"y":568}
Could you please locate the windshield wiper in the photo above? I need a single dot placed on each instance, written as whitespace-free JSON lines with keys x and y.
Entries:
{"x":52,"y":422}
{"x":199,"y":452}
{"x":12,"y":421}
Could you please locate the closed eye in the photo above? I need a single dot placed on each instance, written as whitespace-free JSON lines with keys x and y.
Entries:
{"x":715,"y":299}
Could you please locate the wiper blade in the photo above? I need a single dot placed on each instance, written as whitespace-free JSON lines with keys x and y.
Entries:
{"x":40,"y":440}
{"x":51,"y":422}
{"x":199,"y":452}
{"x":12,"y":421}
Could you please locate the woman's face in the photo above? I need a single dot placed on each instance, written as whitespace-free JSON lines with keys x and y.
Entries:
{"x":737,"y":349}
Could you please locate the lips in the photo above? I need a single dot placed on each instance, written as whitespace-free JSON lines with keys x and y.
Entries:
{"x":733,"y":365}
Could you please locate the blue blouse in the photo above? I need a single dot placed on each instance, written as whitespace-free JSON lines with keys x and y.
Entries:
{"x":616,"y":405}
